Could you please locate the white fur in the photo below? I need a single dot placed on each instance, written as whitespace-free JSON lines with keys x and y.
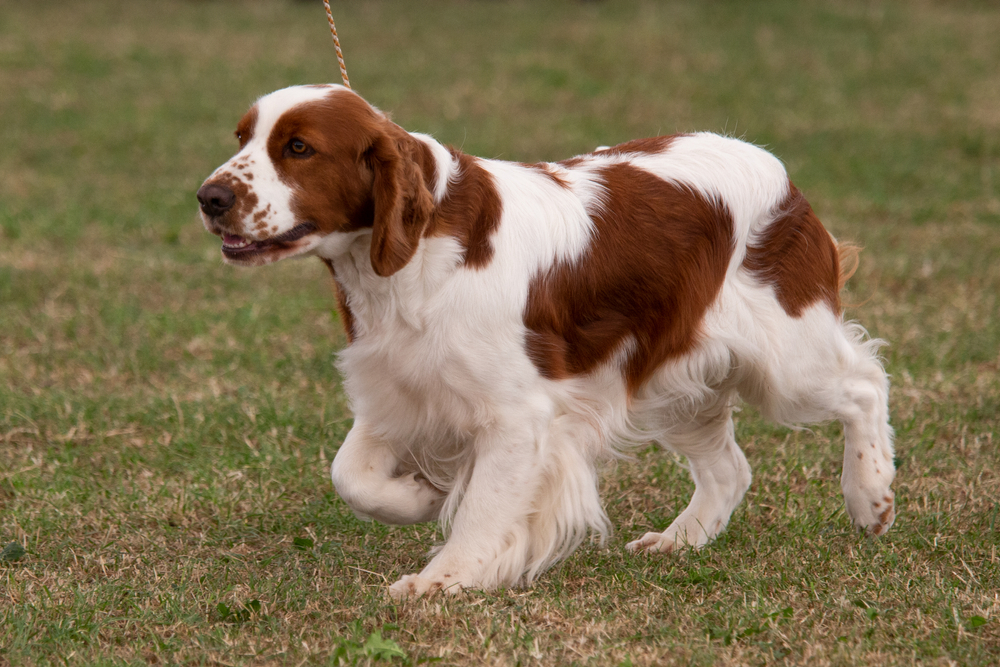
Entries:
{"x":454,"y":422}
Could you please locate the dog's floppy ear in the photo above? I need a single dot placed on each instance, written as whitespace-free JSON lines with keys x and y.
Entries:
{"x":403,"y":204}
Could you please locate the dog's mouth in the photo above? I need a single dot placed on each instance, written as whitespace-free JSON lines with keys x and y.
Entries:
{"x":238,"y":247}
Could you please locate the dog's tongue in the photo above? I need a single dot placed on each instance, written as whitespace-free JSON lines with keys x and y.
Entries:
{"x":232,"y":240}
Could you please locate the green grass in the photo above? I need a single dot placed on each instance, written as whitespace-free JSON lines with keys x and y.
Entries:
{"x":167,"y":422}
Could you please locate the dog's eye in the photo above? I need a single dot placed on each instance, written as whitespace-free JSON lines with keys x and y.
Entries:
{"x":299,"y":147}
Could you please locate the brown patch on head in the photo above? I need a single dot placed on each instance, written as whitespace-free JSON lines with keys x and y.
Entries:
{"x":657,"y":261}
{"x":360,"y":170}
{"x":245,"y":128}
{"x":798,"y":257}
{"x":332,"y":183}
{"x":343,"y":307}
{"x":470,"y":211}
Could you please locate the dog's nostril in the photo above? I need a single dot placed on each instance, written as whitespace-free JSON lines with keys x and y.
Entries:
{"x":215,"y":199}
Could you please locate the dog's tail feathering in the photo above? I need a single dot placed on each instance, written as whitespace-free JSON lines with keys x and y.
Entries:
{"x":848,"y":259}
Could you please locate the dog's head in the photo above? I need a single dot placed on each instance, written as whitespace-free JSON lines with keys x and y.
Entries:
{"x":315,"y":161}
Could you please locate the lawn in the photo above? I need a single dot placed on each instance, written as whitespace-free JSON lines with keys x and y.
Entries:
{"x":167,"y":422}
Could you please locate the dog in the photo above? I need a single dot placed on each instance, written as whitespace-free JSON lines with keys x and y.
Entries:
{"x":510,"y":326}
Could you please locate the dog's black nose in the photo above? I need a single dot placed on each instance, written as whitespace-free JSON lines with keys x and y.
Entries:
{"x":215,"y":199}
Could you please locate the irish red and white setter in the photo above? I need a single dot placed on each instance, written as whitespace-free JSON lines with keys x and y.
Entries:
{"x":512,"y":325}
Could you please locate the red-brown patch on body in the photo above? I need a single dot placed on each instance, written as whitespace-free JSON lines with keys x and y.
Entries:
{"x":647,"y":146}
{"x":470,"y":211}
{"x":650,"y":145}
{"x":798,"y":257}
{"x":549,"y":172}
{"x":657,"y":261}
{"x":572,"y":162}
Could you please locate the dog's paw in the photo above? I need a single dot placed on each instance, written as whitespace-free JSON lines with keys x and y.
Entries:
{"x":414,"y":586}
{"x":872,"y":513}
{"x":651,"y":543}
{"x":686,"y":532}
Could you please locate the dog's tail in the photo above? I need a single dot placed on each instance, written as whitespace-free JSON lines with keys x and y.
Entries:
{"x":848,"y":259}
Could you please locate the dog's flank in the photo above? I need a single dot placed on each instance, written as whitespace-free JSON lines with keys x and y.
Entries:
{"x":512,"y":325}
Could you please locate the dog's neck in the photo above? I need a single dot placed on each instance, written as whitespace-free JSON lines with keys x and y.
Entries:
{"x":376,"y":301}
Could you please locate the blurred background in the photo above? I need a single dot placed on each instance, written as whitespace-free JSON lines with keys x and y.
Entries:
{"x":144,"y":385}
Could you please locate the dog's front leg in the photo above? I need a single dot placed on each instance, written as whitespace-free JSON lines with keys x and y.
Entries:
{"x":488,"y":545}
{"x":364,"y":474}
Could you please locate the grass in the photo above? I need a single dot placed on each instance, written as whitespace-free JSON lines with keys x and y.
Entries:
{"x":167,"y":422}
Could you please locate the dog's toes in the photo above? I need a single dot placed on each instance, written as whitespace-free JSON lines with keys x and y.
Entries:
{"x":410,"y":586}
{"x":414,"y":586}
{"x":886,"y":514}
{"x":652,"y":543}
{"x":873,"y":516}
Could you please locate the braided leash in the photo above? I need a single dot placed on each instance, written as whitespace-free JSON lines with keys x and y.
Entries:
{"x":336,"y":45}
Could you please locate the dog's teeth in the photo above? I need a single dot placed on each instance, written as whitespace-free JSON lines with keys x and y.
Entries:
{"x":235,"y":242}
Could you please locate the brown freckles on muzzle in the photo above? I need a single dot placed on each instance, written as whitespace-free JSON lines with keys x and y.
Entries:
{"x":225,"y":201}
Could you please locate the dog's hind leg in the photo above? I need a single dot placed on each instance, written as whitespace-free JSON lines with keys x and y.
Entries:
{"x":861,"y":404}
{"x":821,"y":369}
{"x":365,"y":473}
{"x":721,"y":476}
